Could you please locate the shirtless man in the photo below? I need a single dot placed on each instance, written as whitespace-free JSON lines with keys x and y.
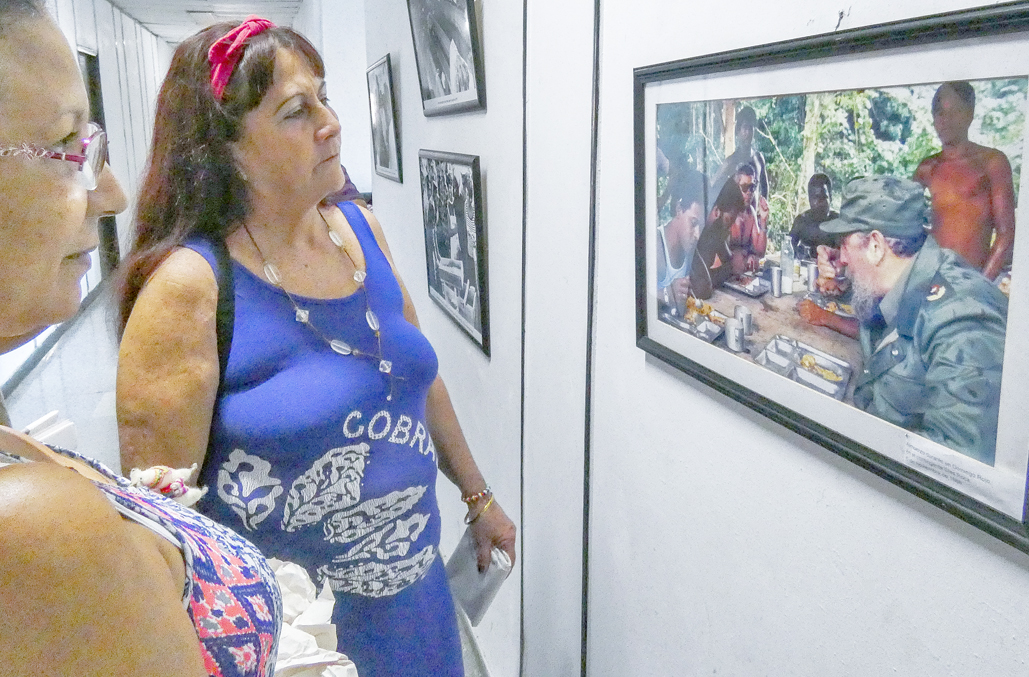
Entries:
{"x":745,"y":153}
{"x":748,"y":237}
{"x":972,"y":193}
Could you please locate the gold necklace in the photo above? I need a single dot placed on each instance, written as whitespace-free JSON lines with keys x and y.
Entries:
{"x":303,"y":316}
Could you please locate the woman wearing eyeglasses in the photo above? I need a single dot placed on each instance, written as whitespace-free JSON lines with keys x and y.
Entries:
{"x":97,"y":578}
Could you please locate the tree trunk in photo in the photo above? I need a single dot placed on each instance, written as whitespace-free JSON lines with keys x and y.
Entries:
{"x":812,"y":121}
{"x":729,"y":127}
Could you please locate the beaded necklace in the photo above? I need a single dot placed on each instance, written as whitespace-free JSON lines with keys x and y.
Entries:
{"x":303,"y":316}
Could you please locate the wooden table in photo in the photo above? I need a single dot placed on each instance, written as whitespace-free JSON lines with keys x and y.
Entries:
{"x":774,"y":316}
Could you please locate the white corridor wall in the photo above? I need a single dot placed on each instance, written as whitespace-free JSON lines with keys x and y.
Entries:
{"x":485,"y":390}
{"x":721,"y":543}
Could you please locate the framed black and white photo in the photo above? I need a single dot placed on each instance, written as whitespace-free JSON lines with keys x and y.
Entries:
{"x":385,"y":130}
{"x":899,"y":340}
{"x":455,"y":240}
{"x":448,"y":54}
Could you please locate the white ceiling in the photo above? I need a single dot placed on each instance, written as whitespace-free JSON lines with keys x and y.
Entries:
{"x":175,"y":20}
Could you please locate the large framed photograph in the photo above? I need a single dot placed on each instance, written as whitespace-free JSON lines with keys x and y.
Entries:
{"x":455,"y":240}
{"x":448,"y":54}
{"x":826,"y":232}
{"x":385,"y":130}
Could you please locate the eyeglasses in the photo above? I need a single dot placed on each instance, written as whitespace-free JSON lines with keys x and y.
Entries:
{"x":748,"y":189}
{"x":91,"y":162}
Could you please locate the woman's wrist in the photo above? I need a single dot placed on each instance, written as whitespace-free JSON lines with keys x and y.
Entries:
{"x":470,"y":498}
{"x":475,"y":514}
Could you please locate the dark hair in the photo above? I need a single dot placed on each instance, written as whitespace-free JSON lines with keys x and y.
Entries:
{"x":15,"y":10}
{"x":961,"y":88}
{"x":746,"y":115}
{"x":686,"y":188}
{"x":819,"y":180}
{"x":192,"y":186}
{"x":906,"y":247}
{"x":730,"y":198}
{"x":746,"y":168}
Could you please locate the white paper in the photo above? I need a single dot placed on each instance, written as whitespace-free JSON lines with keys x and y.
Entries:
{"x":307,"y":641}
{"x":472,"y":590}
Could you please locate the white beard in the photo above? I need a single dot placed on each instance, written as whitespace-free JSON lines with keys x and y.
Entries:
{"x":865,"y":301}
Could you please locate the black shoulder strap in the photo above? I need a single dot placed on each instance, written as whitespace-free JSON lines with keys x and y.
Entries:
{"x":226,"y":310}
{"x":225,"y":316}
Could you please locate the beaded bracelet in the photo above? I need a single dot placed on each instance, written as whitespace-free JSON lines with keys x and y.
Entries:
{"x":480,"y":513}
{"x":475,"y":497}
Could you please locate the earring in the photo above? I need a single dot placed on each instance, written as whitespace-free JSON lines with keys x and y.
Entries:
{"x":242,"y":175}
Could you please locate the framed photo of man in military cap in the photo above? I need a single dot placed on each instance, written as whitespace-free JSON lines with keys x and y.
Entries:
{"x":826,"y":232}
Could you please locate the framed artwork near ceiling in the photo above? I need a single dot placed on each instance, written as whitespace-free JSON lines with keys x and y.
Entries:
{"x":448,"y":54}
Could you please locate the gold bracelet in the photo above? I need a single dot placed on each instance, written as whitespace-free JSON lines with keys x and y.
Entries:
{"x":480,"y":513}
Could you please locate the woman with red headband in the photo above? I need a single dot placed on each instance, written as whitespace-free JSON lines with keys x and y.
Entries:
{"x":97,"y":577}
{"x":312,"y":400}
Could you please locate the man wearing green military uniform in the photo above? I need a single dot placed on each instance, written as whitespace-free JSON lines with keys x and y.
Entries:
{"x":932,"y":327}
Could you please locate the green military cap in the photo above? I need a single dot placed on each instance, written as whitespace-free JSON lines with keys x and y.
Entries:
{"x":893,"y":206}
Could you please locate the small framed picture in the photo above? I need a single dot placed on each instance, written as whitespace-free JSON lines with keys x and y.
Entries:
{"x":385,"y":131}
{"x":449,"y":55}
{"x":455,"y":240}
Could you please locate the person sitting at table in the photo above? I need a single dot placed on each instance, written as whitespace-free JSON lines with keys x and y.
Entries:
{"x":805,"y":230}
{"x":932,"y":327}
{"x":712,"y":259}
{"x":748,"y":237}
{"x":832,"y":283}
{"x":677,"y":239}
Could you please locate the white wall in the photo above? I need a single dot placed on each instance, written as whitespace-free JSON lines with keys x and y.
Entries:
{"x":485,"y":391}
{"x":337,"y":29}
{"x":345,"y":54}
{"x":719,"y":542}
{"x":558,"y":116}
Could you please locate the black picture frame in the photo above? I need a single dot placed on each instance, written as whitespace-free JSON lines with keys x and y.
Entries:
{"x":382,"y":108}
{"x":448,"y":54}
{"x":455,"y":240}
{"x":924,"y":51}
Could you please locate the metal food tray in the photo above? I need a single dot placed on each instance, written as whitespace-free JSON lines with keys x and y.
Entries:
{"x":705,"y":330}
{"x":823,"y":302}
{"x":783,"y":354}
{"x":751,"y":285}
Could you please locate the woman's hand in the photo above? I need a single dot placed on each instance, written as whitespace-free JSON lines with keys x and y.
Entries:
{"x":492,"y":529}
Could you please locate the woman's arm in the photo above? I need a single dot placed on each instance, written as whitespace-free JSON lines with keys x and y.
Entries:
{"x":168,"y":366}
{"x":493,"y":528}
{"x":85,"y":592}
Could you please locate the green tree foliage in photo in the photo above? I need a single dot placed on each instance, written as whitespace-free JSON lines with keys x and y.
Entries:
{"x":843,"y":134}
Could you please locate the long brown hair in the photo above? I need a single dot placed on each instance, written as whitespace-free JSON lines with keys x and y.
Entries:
{"x":192,"y":186}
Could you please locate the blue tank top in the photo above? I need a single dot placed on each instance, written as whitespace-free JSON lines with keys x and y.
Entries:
{"x":311,"y":462}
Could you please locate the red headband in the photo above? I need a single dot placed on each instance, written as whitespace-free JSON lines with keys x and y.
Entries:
{"x":225,"y":53}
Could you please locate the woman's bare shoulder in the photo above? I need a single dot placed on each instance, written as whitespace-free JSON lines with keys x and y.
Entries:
{"x":42,"y":503}
{"x":184,"y":276}
{"x":79,"y":570}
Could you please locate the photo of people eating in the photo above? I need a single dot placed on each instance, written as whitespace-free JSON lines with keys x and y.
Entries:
{"x":857,"y":242}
